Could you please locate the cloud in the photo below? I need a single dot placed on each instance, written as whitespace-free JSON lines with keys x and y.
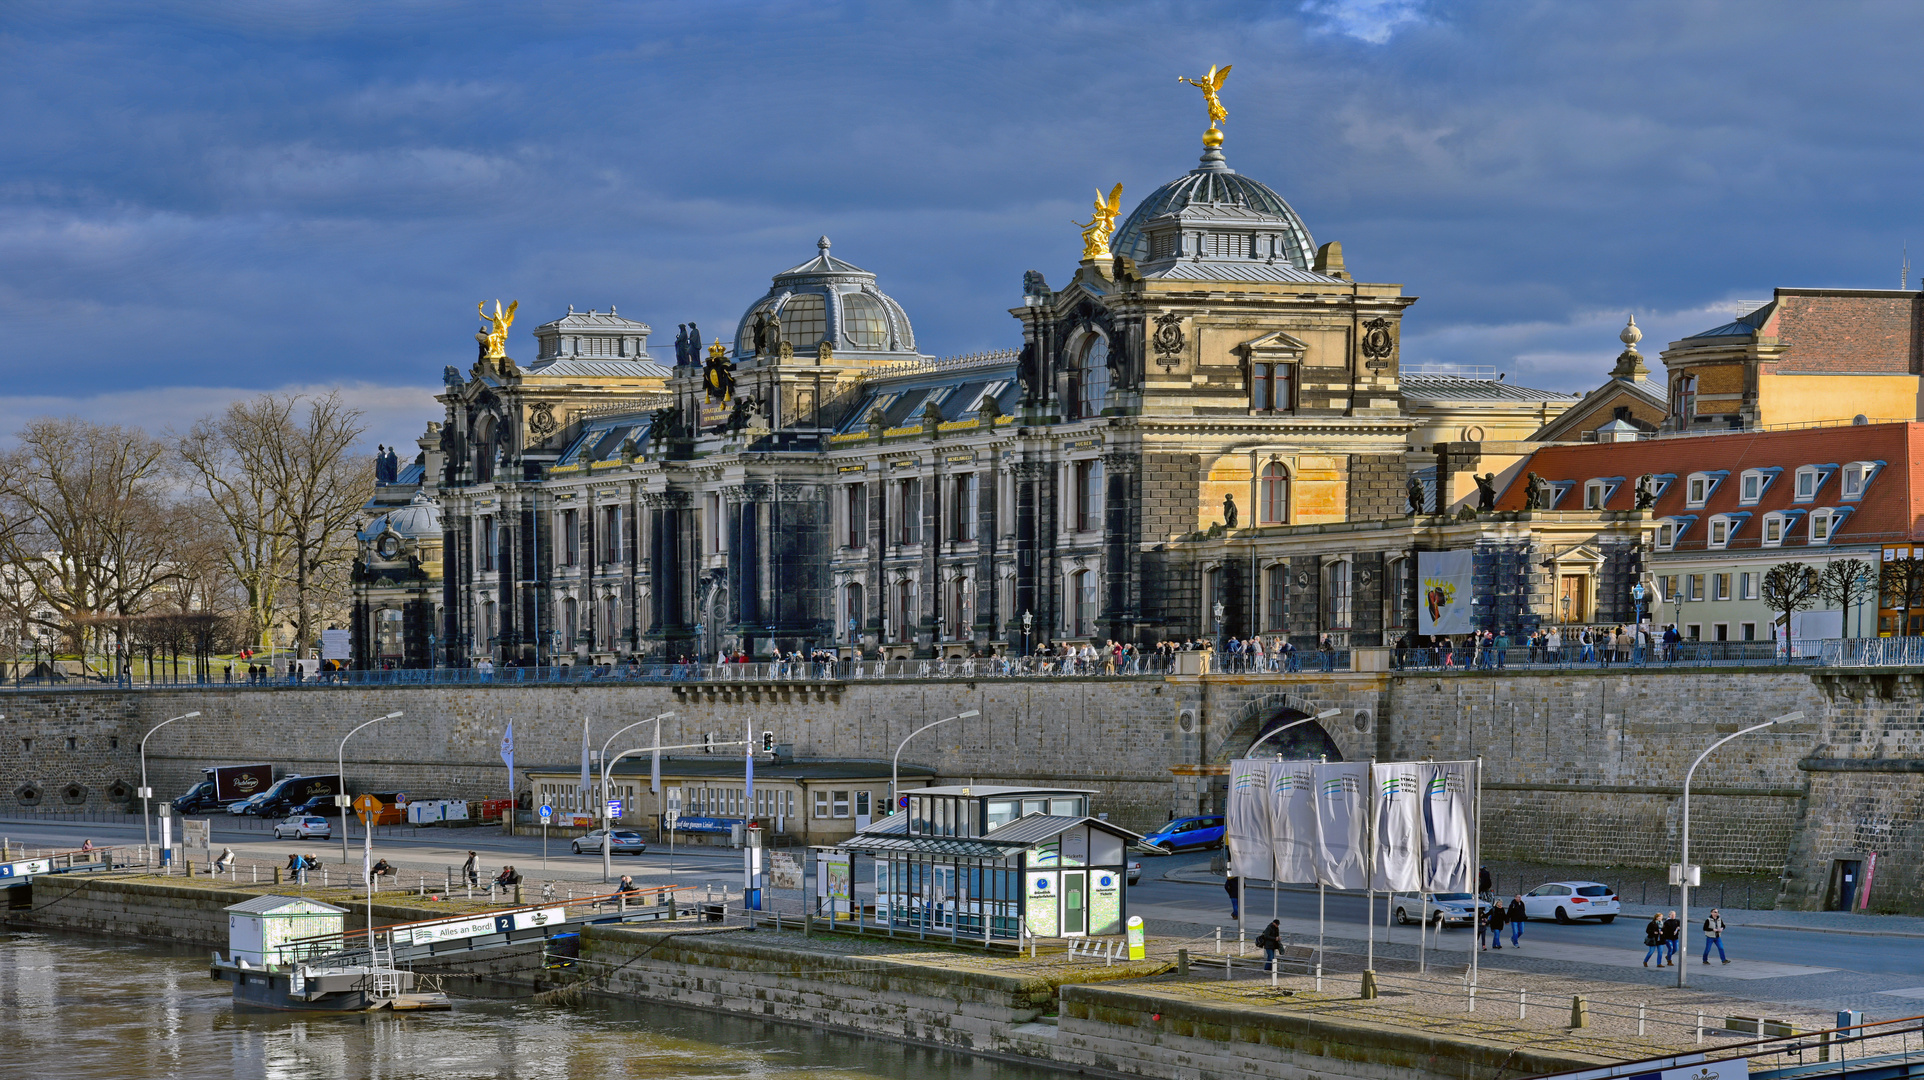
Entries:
{"x":393,"y":415}
{"x":1371,"y":21}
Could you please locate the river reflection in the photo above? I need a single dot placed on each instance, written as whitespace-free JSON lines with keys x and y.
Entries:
{"x":99,"y":1009}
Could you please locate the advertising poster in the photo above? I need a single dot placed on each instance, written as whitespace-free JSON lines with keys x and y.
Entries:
{"x":1342,"y":810}
{"x":1292,"y":820}
{"x":1399,"y":828}
{"x":1449,"y":791}
{"x":1443,"y":591}
{"x":1246,"y":819}
{"x":233,"y":783}
{"x":784,"y":872}
{"x":1043,"y":903}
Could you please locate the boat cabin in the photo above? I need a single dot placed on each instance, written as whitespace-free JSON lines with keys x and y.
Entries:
{"x":259,"y":930}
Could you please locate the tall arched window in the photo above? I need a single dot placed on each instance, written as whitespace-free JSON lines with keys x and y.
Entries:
{"x":1276,"y":598}
{"x":1274,"y":505}
{"x":1082,"y":598}
{"x":1094,"y":367}
{"x":959,"y":609}
{"x":905,"y":611}
{"x":852,"y":612}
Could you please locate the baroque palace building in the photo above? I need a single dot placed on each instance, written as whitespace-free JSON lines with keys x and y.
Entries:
{"x":819,"y":482}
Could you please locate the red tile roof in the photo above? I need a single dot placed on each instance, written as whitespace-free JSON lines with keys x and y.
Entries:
{"x":1891,"y":508}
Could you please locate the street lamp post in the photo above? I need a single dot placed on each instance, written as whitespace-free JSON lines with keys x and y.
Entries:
{"x":895,"y":766}
{"x":340,"y":775}
{"x":1324,"y":715}
{"x":1219,"y":630}
{"x":1637,"y":594}
{"x":607,"y":818}
{"x":147,"y":793}
{"x":1028,"y":621}
{"x":1683,"y":868}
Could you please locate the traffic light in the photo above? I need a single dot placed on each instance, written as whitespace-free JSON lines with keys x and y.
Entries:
{"x":768,"y":742}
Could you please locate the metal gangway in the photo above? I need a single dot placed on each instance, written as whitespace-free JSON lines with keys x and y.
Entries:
{"x":404,"y":944}
{"x":1884,"y":1050}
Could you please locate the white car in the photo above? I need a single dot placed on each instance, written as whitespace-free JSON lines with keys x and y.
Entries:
{"x":1568,"y":901}
{"x":303,"y":827}
{"x":1437,"y":908}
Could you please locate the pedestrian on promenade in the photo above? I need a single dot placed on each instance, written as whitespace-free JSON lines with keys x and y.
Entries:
{"x":226,"y":860}
{"x":1233,"y":885}
{"x":1497,"y":917}
{"x":472,"y":868}
{"x":1653,"y":940}
{"x":1553,"y":646}
{"x":1714,"y":935}
{"x":297,"y":869}
{"x":1484,"y":886}
{"x":1516,"y":917}
{"x":1672,"y":931}
{"x":1271,"y":942}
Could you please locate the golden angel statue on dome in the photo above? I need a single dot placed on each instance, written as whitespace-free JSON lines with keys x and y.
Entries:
{"x":1096,"y":231}
{"x":1211,"y":85}
{"x":494,"y":340}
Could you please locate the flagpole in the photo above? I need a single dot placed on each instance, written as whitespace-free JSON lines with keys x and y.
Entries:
{"x":1369,"y":868}
{"x":1476,"y":869}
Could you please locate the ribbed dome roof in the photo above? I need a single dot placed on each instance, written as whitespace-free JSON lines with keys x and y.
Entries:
{"x":827,"y":299}
{"x":418,"y":520}
{"x":1214,"y":181}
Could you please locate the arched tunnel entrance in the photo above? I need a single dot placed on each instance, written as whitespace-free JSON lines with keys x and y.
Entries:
{"x":1304,"y":741}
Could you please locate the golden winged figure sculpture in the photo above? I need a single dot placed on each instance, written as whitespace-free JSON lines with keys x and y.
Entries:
{"x":1096,"y":231}
{"x":1211,"y":85}
{"x":496,"y":336}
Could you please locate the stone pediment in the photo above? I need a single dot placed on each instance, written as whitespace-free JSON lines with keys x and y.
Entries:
{"x":1274,"y":347}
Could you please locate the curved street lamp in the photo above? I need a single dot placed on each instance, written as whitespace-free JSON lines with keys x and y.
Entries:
{"x":340,"y":775}
{"x":607,"y":819}
{"x":1324,"y":715}
{"x":895,"y":766}
{"x":147,"y":793}
{"x":1683,"y":868}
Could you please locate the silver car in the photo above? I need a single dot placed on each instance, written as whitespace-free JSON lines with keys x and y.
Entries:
{"x":625,"y":842}
{"x":1438,"y":909}
{"x":303,"y":827}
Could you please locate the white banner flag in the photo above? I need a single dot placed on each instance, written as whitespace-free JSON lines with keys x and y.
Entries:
{"x":1443,"y":598}
{"x":1292,"y":820}
{"x":1342,"y":809}
{"x":1246,"y":822}
{"x":1448,"y":826}
{"x":1399,"y":828}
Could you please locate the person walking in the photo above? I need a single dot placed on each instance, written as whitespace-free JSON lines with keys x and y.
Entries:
{"x":1714,"y":935}
{"x":1271,"y":942}
{"x":1672,"y":932}
{"x":1497,"y":917}
{"x":1653,"y":940}
{"x":1516,"y":917}
{"x":472,"y":868}
{"x":1233,"y":885}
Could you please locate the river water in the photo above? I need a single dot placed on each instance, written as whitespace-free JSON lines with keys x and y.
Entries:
{"x":90,"y":1008}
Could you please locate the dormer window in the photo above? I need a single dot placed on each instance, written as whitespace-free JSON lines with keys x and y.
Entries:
{"x":1719,"y":532}
{"x":1857,"y":477}
{"x":1810,"y":479}
{"x":1557,"y":490}
{"x":1822,"y":524}
{"x":1597,"y":493}
{"x":1660,"y":483}
{"x":1753,"y":483}
{"x":1773,"y":531}
{"x":1699,"y":485}
{"x":1666,"y":535}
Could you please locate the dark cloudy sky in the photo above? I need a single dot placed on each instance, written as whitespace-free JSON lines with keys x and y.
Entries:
{"x":199,"y":201}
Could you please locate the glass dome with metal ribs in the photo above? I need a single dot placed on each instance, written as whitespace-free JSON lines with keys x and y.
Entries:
{"x":826,"y":299}
{"x":1214,"y":182}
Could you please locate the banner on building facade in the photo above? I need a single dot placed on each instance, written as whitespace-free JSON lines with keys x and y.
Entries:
{"x":1444,"y":581}
{"x":1246,"y":820}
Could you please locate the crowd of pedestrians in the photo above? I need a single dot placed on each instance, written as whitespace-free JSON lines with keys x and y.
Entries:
{"x":1555,"y":646}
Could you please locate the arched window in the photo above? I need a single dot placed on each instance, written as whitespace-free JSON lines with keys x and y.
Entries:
{"x":864,"y":323}
{"x":1336,"y":609}
{"x":1082,"y":598}
{"x":959,"y":609}
{"x":852,"y":612}
{"x":1276,"y":598}
{"x":1274,"y":505}
{"x":568,"y":623}
{"x":1094,"y":370}
{"x":905,"y":611}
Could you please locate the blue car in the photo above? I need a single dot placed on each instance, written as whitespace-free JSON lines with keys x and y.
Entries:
{"x":1205,"y":831}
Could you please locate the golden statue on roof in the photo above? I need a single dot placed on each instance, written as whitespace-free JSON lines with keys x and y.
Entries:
{"x":1096,"y":231}
{"x":1211,"y":85}
{"x":494,"y":340}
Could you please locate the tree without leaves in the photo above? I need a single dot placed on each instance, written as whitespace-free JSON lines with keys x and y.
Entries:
{"x":1844,"y":583}
{"x":1902,"y":585}
{"x":92,"y":530}
{"x":1790,"y":587}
